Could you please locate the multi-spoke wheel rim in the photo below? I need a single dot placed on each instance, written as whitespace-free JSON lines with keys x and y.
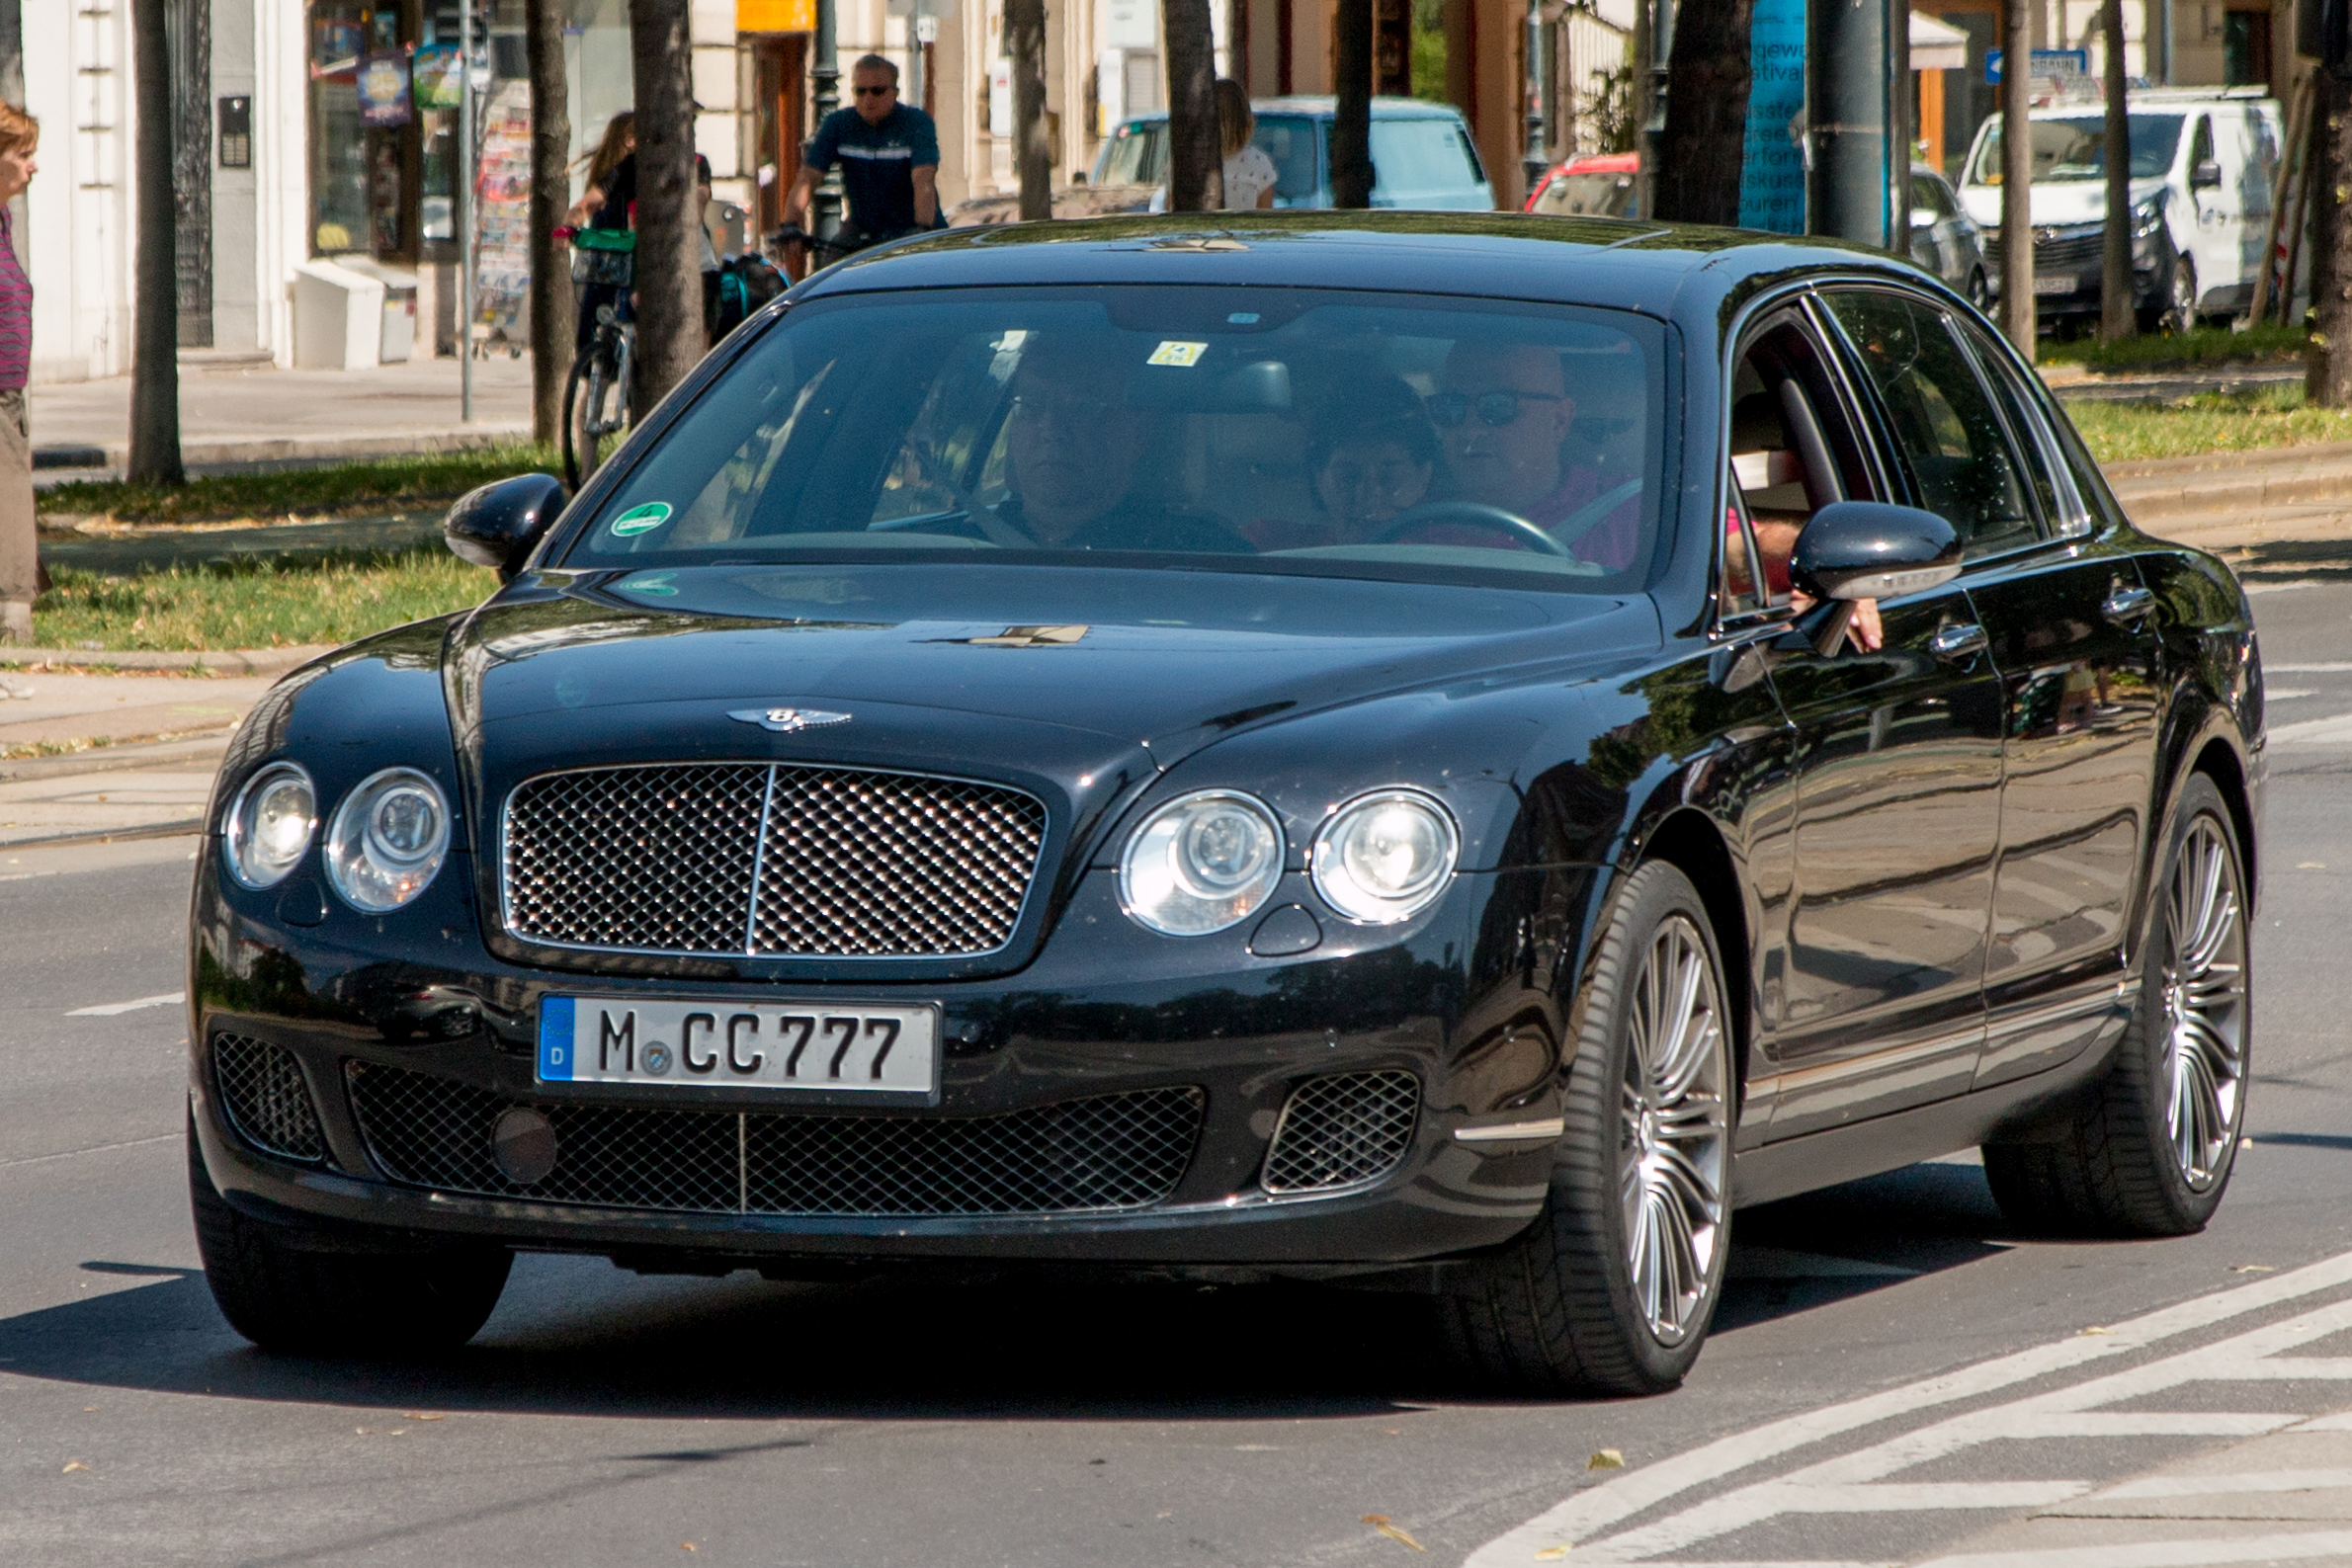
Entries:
{"x":2204,"y":1004}
{"x":1675,"y":1130}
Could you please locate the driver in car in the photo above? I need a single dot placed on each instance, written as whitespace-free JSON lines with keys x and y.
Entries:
{"x":1504,"y":414}
{"x":1074,"y":454}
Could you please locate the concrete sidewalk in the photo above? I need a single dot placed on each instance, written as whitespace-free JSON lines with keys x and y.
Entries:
{"x":241,"y":415}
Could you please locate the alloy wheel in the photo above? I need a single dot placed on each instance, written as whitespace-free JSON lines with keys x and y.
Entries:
{"x":1675,"y":1132}
{"x":2204,"y":1004}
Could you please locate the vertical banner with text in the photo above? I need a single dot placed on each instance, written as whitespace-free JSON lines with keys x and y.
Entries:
{"x":1772,"y":166}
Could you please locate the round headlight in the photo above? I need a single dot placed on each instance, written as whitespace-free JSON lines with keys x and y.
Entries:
{"x":1385,"y":857}
{"x":389,"y":836}
{"x":1201,"y":864}
{"x":269,"y":825}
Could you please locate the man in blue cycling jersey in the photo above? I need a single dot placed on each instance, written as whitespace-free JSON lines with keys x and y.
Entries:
{"x":889,"y":156}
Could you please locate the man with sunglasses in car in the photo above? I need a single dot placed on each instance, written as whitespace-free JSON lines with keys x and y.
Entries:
{"x":1504,"y":414}
{"x":889,"y":154}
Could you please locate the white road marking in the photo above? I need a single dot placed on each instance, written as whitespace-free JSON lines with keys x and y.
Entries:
{"x":2240,"y":1482}
{"x":2281,"y":588}
{"x":111,"y":1009}
{"x":2163,"y":1553}
{"x":2307,"y":669}
{"x":95,"y":1148}
{"x":1583,"y":1516}
{"x":2332,"y":732}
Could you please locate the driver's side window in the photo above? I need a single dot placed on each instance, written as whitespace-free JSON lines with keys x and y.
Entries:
{"x":1791,"y":452}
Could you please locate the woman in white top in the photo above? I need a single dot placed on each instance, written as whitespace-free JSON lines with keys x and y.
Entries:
{"x":1249,"y":173}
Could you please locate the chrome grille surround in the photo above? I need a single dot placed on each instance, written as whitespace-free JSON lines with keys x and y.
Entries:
{"x":767,"y":861}
{"x":1342,"y":1130}
{"x":265,"y":1099}
{"x":1105,"y":1152}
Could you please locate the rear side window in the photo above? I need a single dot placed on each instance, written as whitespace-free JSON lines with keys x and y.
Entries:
{"x":1137,"y":155}
{"x":1289,"y":140}
{"x":1415,"y":159}
{"x":1941,"y":418}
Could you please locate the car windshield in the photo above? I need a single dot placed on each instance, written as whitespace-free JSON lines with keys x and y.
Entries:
{"x":1417,"y":158}
{"x":2075,"y":148}
{"x":1276,"y":429}
{"x":1604,"y":195}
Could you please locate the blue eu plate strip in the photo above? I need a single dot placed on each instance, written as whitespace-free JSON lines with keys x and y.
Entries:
{"x":554,"y":1039}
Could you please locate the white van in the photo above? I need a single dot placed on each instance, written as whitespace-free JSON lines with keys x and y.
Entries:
{"x":2203,"y":160}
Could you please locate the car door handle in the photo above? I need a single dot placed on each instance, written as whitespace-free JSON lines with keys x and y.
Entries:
{"x":1958,"y":641}
{"x":2127,"y":605}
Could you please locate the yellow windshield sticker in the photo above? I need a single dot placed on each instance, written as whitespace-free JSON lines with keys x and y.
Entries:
{"x":1181,"y":355}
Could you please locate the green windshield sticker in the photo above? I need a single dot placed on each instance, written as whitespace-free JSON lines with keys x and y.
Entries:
{"x":640,"y":519}
{"x":656,"y":583}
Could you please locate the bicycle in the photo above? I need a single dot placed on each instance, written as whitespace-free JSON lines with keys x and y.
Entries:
{"x":596,"y":397}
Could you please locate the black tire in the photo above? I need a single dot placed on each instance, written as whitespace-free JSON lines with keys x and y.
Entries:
{"x":303,"y":1301}
{"x":1980,"y":293}
{"x":1561,"y":1310}
{"x":2116,"y":1163}
{"x":579,"y":442}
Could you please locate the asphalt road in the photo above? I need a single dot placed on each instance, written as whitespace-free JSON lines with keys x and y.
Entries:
{"x":1893,"y":1377}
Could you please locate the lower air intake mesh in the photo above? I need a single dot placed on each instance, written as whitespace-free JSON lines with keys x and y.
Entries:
{"x":1342,"y":1130}
{"x":1104,"y":1152}
{"x":268,"y":1103}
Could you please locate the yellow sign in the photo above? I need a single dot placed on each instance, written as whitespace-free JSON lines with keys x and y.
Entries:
{"x":775,"y":16}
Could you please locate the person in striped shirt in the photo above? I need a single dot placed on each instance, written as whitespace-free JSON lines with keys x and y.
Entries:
{"x":20,"y":561}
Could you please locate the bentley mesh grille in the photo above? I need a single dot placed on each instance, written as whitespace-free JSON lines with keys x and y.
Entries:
{"x":1342,"y":1130}
{"x":266,"y":1097}
{"x":769,"y":860}
{"x":1104,"y":1152}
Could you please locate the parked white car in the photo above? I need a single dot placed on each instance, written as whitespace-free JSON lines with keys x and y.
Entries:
{"x":2203,"y":161}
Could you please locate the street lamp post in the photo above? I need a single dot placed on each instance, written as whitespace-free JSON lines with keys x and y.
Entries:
{"x":462,"y":190}
{"x":1537,"y":158}
{"x":825,"y":211}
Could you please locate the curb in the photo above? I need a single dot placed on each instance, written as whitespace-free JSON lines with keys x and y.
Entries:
{"x":216,"y":453}
{"x":233,"y":661}
{"x":2225,"y":481}
{"x":136,"y":757}
{"x":190,"y":827}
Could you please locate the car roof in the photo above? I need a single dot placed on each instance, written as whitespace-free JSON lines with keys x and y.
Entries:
{"x":1660,"y":270}
{"x":1324,"y":105}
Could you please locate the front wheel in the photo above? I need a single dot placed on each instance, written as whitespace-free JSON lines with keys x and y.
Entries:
{"x":2150,"y":1150}
{"x":595,"y":410}
{"x":1980,"y":292}
{"x":279,"y":1288}
{"x":1612,"y":1289}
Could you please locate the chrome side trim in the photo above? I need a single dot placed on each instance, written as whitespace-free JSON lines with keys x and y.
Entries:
{"x":1513,"y":1131}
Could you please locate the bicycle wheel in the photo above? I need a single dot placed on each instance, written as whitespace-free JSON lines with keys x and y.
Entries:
{"x":595,"y":410}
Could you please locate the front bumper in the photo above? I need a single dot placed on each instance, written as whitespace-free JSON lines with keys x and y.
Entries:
{"x":419,"y":994}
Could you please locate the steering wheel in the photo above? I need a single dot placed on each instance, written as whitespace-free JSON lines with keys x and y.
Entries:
{"x":1475,"y":513}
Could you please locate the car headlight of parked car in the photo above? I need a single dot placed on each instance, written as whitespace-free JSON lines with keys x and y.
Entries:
{"x":1385,"y":857}
{"x":269,"y":825}
{"x":388,"y":839}
{"x":2147,"y":221}
{"x":1201,"y":862}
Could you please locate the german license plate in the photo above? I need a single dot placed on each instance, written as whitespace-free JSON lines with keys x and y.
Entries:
{"x":2055,"y":286}
{"x":782,"y":1046}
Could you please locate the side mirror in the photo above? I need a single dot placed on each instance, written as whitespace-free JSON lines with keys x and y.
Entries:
{"x":1867,"y":550}
{"x":1921,"y":217}
{"x":499,"y":525}
{"x":2207,"y":175}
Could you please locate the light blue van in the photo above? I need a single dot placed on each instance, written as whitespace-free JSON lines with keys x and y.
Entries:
{"x":1422,"y":155}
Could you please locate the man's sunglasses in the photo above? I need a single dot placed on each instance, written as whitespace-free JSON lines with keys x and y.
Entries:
{"x":1447,"y":410}
{"x":882,"y":91}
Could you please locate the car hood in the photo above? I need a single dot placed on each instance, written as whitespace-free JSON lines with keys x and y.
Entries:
{"x":2058,"y":204}
{"x":1165,"y":661}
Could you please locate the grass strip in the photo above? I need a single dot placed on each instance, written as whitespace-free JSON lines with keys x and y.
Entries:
{"x":2204,"y":345}
{"x":256,"y":603}
{"x":364,"y":485}
{"x":2208,"y":422}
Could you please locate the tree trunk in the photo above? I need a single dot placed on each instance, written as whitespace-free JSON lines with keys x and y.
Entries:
{"x":669,"y":267}
{"x":1033,"y":160}
{"x":2115,"y":255}
{"x":155,"y":316}
{"x":1351,"y":118}
{"x":2327,"y":362}
{"x":1707,"y":77}
{"x":552,"y":324}
{"x":2017,"y":174}
{"x":1195,"y":162}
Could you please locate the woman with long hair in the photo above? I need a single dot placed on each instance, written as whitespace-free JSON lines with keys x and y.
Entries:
{"x":20,"y":554}
{"x":605,"y":203}
{"x":1249,"y":173}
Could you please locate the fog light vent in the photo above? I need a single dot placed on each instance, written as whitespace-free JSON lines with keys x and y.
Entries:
{"x":1345,"y":1129}
{"x":266,"y":1099}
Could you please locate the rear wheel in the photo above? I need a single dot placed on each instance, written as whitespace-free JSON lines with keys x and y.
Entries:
{"x":2149,"y":1151}
{"x":280,"y":1290}
{"x":1612,"y":1289}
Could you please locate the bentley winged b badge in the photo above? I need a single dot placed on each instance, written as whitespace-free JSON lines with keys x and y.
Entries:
{"x":785,"y":721}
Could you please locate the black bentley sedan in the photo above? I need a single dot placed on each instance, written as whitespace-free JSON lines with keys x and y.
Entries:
{"x":1444,"y":752}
